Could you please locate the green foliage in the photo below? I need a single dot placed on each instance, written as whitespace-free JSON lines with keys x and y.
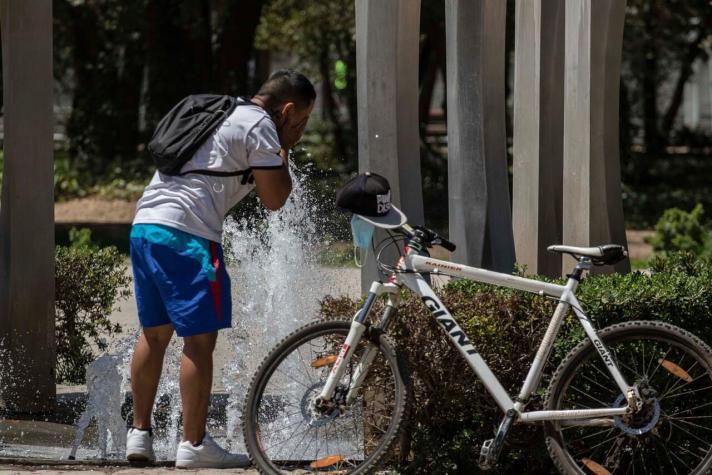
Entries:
{"x":662,"y":40}
{"x":678,"y":230}
{"x":88,"y":282}
{"x":81,"y":238}
{"x":320,"y":38}
{"x":653,"y":183}
{"x":104,"y":47}
{"x":453,"y":414}
{"x":677,"y":290}
{"x":336,"y":254}
{"x":117,"y":60}
{"x":126,"y":183}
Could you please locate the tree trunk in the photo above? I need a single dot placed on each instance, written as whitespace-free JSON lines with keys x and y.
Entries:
{"x":693,"y":52}
{"x":653,"y":142}
{"x":328,"y":102}
{"x":239,"y":23}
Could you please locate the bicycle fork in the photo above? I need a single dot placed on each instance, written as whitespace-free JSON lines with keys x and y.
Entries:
{"x":358,"y":328}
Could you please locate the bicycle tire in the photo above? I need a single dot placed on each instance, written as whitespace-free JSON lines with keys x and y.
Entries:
{"x":653,"y":424}
{"x":291,"y":343}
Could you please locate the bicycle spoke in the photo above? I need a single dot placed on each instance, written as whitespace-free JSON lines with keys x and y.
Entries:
{"x":680,"y":382}
{"x":707,"y":404}
{"x":583,"y":393}
{"x":600,"y":385}
{"x":674,"y":395}
{"x":294,"y":430}
{"x":670,"y":434}
{"x":590,"y":435}
{"x":688,"y":432}
{"x":660,"y":360}
{"x":667,"y":452}
{"x":694,"y":425}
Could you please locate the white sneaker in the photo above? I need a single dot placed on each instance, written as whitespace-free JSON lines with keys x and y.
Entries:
{"x":208,"y":455}
{"x":139,"y":445}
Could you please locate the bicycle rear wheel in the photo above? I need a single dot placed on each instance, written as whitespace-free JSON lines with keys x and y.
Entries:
{"x":283,"y":428}
{"x":671,"y":434}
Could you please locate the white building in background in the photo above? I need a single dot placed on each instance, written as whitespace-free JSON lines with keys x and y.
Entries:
{"x":697,"y":102}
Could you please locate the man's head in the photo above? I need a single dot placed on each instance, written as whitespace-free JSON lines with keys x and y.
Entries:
{"x":288,"y":96}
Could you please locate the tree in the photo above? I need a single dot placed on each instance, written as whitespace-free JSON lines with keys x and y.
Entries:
{"x":100,"y":45}
{"x":662,"y":41}
{"x":320,"y":37}
{"x":126,"y":62}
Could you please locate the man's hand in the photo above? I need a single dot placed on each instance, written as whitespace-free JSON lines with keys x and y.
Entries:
{"x":289,"y":134}
{"x":285,"y":156}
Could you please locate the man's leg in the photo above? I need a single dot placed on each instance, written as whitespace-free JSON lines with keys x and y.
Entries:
{"x":196,"y":380}
{"x":146,"y":366}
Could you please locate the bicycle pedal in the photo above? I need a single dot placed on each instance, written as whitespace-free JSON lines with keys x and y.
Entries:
{"x":486,"y":455}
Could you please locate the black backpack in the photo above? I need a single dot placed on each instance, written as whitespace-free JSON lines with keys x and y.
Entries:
{"x":186,"y":127}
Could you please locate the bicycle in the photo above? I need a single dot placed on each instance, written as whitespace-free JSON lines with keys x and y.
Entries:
{"x":631,"y":398}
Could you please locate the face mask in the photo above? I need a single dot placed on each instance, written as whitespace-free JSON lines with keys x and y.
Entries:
{"x":362,"y":234}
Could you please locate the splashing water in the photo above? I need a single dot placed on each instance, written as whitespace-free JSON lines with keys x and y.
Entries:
{"x":103,"y":405}
{"x":107,"y":381}
{"x":277,"y":286}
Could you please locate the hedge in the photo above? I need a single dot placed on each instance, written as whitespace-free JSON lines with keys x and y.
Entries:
{"x":453,"y":414}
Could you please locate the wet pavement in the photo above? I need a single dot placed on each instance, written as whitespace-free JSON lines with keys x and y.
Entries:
{"x":27,"y":466}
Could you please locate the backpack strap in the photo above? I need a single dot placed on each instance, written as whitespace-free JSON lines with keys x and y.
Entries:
{"x":247,"y":173}
{"x":247,"y":176}
{"x":217,"y":173}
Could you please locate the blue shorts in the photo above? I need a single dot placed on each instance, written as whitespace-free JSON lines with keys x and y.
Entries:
{"x":181,"y":279}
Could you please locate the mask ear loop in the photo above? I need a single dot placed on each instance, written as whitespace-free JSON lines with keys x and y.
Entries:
{"x":358,"y":257}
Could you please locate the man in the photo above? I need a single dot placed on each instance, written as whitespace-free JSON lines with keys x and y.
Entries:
{"x":180,"y":277}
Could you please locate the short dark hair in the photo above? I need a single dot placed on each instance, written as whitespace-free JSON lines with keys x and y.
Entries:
{"x":287,"y":85}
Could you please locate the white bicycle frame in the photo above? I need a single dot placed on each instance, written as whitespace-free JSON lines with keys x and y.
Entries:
{"x":410,"y":277}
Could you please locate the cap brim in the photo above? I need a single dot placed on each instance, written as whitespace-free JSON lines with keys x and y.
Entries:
{"x":395,"y":218}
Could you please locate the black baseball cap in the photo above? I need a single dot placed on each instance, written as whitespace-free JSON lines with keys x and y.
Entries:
{"x":368,"y":195}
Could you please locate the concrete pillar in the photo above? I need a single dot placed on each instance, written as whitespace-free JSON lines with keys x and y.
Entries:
{"x":478,"y":185}
{"x":538,"y":133}
{"x":387,"y":47}
{"x":592,"y":206}
{"x":27,"y":208}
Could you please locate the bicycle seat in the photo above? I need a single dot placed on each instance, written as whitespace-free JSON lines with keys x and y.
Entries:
{"x":607,"y":254}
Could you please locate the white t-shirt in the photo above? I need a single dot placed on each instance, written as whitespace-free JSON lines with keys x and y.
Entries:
{"x":197,"y":204}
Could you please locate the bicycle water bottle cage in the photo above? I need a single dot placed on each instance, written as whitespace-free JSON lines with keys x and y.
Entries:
{"x":607,"y":254}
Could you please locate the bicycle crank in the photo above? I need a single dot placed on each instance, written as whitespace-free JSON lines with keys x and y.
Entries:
{"x":491,"y":448}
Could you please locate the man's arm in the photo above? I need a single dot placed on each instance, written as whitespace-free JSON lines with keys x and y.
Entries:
{"x":273,"y":184}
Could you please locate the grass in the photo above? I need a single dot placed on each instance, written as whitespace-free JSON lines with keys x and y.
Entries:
{"x":337,"y":254}
{"x":639,"y":264}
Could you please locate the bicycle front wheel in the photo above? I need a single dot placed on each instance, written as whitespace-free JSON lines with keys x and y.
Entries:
{"x":671,"y":434}
{"x":284,"y":429}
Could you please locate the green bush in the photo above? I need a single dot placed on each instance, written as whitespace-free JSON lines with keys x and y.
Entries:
{"x":678,"y":230}
{"x":453,"y":414}
{"x":88,"y":282}
{"x":123,"y":182}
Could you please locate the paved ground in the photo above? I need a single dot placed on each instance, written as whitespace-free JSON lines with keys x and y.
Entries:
{"x":113,"y":470}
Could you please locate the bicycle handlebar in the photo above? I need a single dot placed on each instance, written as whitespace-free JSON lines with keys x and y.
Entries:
{"x":449,"y":245}
{"x":428,"y":237}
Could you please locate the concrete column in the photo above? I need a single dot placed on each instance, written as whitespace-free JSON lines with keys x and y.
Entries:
{"x":478,"y":185}
{"x":592,"y":206}
{"x":27,"y":211}
{"x":387,"y":46}
{"x":538,"y":133}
